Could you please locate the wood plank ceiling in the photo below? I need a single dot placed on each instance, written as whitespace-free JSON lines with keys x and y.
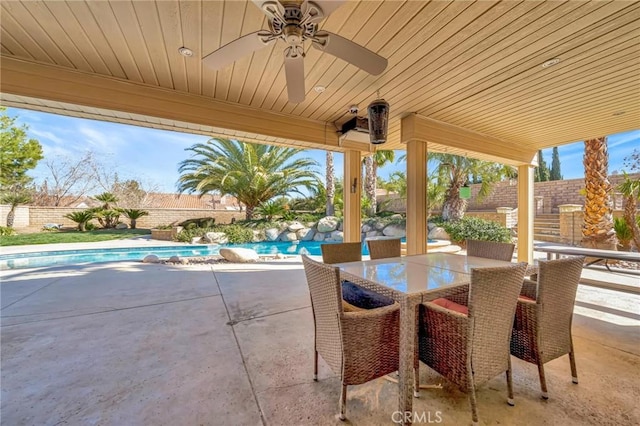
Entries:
{"x":476,"y":65}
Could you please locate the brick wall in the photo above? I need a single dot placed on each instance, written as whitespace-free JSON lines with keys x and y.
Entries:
{"x":553,"y":193}
{"x":38,"y":216}
{"x":21,"y":218}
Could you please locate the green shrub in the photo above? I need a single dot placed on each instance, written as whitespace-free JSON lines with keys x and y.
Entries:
{"x":82,"y":218}
{"x":163,"y":227}
{"x":473,"y":228}
{"x":200,"y":222}
{"x":6,"y":231}
{"x":623,"y":232}
{"x":236,"y":234}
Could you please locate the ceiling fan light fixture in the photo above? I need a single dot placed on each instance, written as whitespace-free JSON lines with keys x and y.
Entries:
{"x":378,"y":121}
{"x":319,"y":89}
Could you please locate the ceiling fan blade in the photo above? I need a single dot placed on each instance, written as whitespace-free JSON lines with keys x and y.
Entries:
{"x":349,"y":51}
{"x":237,"y":49}
{"x":294,"y":71}
{"x":326,"y":7}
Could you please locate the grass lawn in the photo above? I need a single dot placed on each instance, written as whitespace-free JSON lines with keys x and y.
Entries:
{"x":71,"y":236}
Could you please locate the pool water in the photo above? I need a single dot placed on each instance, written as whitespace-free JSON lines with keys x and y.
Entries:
{"x":69,"y":257}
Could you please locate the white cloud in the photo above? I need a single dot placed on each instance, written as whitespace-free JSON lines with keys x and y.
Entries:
{"x":47,"y":136}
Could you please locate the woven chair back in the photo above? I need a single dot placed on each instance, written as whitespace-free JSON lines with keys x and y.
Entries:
{"x":493,"y":295}
{"x":326,"y":303}
{"x":341,"y":252}
{"x":557,"y":285}
{"x":381,"y":249}
{"x":490,"y":250}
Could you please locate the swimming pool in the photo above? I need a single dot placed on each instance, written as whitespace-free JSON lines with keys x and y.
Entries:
{"x":68,"y":257}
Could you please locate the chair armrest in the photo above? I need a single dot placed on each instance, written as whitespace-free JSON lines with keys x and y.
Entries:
{"x":529,"y":288}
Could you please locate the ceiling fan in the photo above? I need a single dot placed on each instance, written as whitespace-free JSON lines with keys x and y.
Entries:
{"x":294,"y":23}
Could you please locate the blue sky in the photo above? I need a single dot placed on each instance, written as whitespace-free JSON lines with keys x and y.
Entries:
{"x":152,"y":156}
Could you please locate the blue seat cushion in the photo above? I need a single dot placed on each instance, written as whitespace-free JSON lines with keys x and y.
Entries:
{"x":363,"y":298}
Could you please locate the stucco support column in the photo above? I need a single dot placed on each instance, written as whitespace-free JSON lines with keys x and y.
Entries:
{"x":352,"y":190}
{"x":416,"y":197}
{"x":525,"y":213}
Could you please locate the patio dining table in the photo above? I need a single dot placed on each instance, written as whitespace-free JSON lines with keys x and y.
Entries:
{"x":411,"y":280}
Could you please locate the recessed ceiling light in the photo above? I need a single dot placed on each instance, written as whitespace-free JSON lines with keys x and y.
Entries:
{"x":319,"y":89}
{"x":551,"y":62}
{"x":185,"y":51}
{"x":617,"y":113}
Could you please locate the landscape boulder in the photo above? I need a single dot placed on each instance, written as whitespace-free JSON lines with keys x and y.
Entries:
{"x":393,"y":230}
{"x":288,"y":236}
{"x":328,"y":224}
{"x":305,"y":234}
{"x":295,"y":226}
{"x":319,"y":236}
{"x":151,"y":258}
{"x":337,"y":236}
{"x":122,"y":226}
{"x":216,"y":238}
{"x":438,"y":233}
{"x":239,"y":255}
{"x":272,"y":234}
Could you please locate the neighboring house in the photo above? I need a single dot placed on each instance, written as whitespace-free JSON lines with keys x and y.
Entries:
{"x":188,"y":201}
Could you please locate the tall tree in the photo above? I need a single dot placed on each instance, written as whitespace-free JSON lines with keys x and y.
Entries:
{"x":330,"y":185}
{"x":542,"y":171}
{"x":597,"y":229}
{"x":371,"y":165}
{"x":68,"y":180}
{"x":454,"y":171}
{"x":18,"y":154}
{"x":252,"y":173}
{"x":555,"y":173}
{"x":14,"y":198}
{"x":630,"y":189}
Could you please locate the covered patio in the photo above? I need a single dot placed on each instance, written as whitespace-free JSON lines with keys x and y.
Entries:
{"x":490,"y":80}
{"x":133,"y":343}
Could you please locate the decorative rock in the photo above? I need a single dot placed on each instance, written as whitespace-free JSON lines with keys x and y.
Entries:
{"x":257,"y":237}
{"x":122,"y":226}
{"x":337,"y":236}
{"x":196,"y":240}
{"x":393,"y":230}
{"x":272,"y":234}
{"x":295,"y":226}
{"x":216,"y":237}
{"x":240,"y":255}
{"x":151,"y":258}
{"x":366,"y":228}
{"x":49,"y":226}
{"x":288,"y":236}
{"x":438,"y":233}
{"x":341,"y":226}
{"x":174,"y":259}
{"x":431,"y":225}
{"x":318,"y":237}
{"x":305,"y":234}
{"x":395,"y":216}
{"x":328,"y":224}
{"x":371,"y":234}
{"x":379,"y":226}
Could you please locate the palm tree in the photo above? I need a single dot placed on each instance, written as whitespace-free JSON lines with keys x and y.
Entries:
{"x":454,"y":171}
{"x":630,"y":189}
{"x":597,"y":230}
{"x":371,"y":165}
{"x":81,"y":217}
{"x":252,"y":173}
{"x":330,"y":186}
{"x":107,"y":214}
{"x":134,"y":214}
{"x":14,"y":199}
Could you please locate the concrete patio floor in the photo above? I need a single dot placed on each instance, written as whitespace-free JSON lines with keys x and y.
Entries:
{"x":143,"y":344}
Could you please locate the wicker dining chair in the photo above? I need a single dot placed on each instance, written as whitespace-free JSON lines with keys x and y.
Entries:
{"x":341,"y":252}
{"x":542,"y":327}
{"x":383,"y":248}
{"x":466,"y":339}
{"x":490,"y":250}
{"x":357,"y":346}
